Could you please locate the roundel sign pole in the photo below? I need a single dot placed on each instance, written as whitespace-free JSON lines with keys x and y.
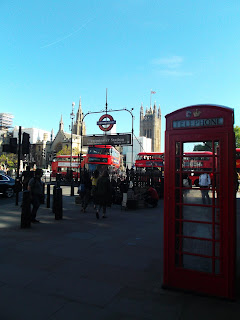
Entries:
{"x":106,"y":122}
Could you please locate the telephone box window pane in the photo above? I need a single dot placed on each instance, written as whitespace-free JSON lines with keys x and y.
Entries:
{"x":197,"y":196}
{"x":217,"y":266}
{"x":177,"y":163}
{"x":217,"y":214}
{"x":200,"y":213}
{"x":178,"y":212}
{"x":178,"y":196}
{"x":197,"y":263}
{"x":201,"y":247}
{"x":202,"y":146}
{"x":217,"y":249}
{"x":198,"y":230}
{"x":177,"y":180}
{"x":216,"y":147}
{"x":217,"y":232}
{"x":177,"y":150}
{"x":197,"y":163}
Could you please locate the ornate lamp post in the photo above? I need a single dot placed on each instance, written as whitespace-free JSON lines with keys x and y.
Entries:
{"x":72,"y":115}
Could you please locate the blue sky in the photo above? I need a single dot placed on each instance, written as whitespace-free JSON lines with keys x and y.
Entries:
{"x":53,"y":52}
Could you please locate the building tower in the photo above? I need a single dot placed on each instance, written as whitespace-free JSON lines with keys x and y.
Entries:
{"x":150,"y":126}
{"x":78,"y":123}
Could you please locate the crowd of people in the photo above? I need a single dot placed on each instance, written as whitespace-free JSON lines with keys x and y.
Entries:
{"x":96,"y":188}
{"x":103,"y":191}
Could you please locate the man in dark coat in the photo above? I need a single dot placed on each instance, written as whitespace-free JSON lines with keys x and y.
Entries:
{"x":103,"y":194}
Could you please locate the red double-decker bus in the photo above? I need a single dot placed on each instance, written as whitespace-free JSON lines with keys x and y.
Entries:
{"x":196,"y":162}
{"x":62,"y":164}
{"x":149,"y":160}
{"x":238,"y":161}
{"x":102,"y":157}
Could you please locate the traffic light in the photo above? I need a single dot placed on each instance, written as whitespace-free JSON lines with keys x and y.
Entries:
{"x":44,"y":153}
{"x":6,"y":147}
{"x":25,"y":143}
{"x":13,"y":145}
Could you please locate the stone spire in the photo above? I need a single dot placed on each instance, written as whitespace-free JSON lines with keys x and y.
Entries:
{"x":141,"y":112}
{"x":79,"y":113}
{"x":61,"y":125}
{"x":159,"y":112}
{"x":78,"y":123}
{"x":155,"y":108}
{"x":52,"y":135}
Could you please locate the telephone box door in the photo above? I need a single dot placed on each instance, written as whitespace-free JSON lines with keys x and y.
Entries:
{"x":199,"y":211}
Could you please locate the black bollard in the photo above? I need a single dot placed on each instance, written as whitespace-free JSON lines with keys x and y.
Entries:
{"x":48,"y":196}
{"x":72,"y":188}
{"x":54,"y":199}
{"x":43,"y":197}
{"x":26,"y":210}
{"x":59,"y":209}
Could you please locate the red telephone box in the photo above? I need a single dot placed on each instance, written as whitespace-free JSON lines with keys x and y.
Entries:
{"x":199,"y":201}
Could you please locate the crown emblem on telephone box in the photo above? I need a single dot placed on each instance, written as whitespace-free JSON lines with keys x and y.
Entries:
{"x":196,"y":113}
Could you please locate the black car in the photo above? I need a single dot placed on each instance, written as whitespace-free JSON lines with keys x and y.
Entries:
{"x":7,"y":185}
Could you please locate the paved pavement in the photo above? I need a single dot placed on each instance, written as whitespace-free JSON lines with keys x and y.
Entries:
{"x":83,"y":268}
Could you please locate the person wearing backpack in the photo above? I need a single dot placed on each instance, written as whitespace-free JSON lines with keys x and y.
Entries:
{"x":35,"y":187}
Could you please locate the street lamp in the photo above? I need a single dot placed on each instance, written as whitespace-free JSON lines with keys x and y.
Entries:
{"x":72,"y":115}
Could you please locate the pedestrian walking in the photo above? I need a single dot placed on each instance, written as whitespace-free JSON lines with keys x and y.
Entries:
{"x":35,"y":186}
{"x":204,"y":182}
{"x":95,"y":178}
{"x":85,"y":191}
{"x":103,"y":194}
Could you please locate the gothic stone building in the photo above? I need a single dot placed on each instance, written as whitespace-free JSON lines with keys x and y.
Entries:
{"x":150,"y":126}
{"x":64,"y":139}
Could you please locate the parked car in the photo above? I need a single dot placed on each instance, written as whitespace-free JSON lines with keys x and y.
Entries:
{"x":7,"y":185}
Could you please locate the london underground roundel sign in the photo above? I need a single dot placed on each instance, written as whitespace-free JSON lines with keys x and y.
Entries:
{"x":106,"y":122}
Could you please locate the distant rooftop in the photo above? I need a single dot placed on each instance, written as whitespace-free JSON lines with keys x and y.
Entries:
{"x":6,"y":120}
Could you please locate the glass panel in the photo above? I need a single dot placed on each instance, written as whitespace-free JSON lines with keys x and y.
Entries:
{"x":217,"y":215}
{"x":217,"y":266}
{"x":216,"y":147}
{"x":178,"y":212}
{"x":196,"y":246}
{"x":198,"y":230}
{"x":177,"y":180}
{"x":197,"y":162}
{"x":200,"y":213}
{"x":197,"y":146}
{"x":177,"y":163}
{"x":217,"y":249}
{"x":198,"y":196}
{"x":197,"y":263}
{"x":217,"y":232}
{"x":177,"y":196}
{"x":177,"y":149}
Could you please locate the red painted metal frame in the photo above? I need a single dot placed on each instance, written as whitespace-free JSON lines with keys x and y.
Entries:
{"x":218,"y":284}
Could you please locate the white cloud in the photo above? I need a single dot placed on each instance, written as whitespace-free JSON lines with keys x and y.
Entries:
{"x":171,"y":62}
{"x":171,"y":66}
